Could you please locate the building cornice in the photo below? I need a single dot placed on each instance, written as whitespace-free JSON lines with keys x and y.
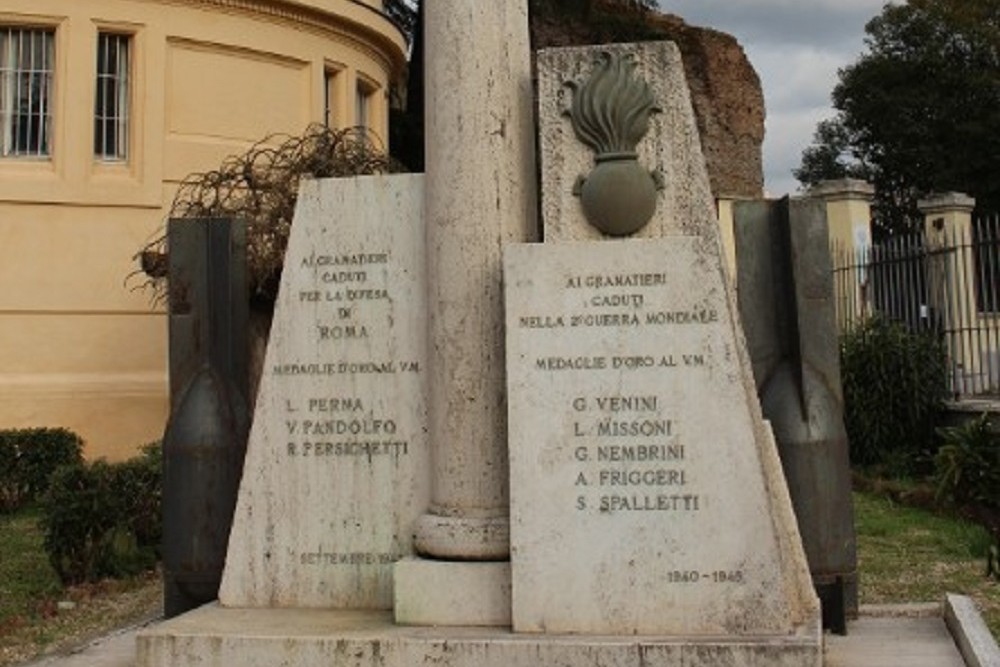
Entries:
{"x":368,"y":30}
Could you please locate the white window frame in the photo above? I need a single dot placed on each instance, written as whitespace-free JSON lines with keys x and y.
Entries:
{"x":364,"y":94}
{"x":113,"y":96}
{"x":331,"y":93}
{"x":27,"y":91}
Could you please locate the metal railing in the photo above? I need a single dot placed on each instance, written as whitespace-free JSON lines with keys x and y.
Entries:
{"x":945,"y":280}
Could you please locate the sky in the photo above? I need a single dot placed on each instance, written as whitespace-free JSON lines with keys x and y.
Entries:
{"x":796,"y":46}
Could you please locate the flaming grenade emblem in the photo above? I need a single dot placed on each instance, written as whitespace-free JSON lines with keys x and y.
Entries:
{"x":610,"y":113}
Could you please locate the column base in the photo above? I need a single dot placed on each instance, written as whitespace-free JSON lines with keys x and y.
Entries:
{"x":434,"y":592}
{"x":463,"y":538}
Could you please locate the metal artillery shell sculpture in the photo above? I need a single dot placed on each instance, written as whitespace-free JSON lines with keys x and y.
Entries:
{"x":610,"y":113}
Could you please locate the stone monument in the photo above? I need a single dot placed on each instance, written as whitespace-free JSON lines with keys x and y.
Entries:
{"x":337,"y":463}
{"x":639,"y":457}
{"x":647,"y":522}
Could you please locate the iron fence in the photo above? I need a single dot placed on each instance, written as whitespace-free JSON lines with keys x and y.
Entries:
{"x":946,"y":281}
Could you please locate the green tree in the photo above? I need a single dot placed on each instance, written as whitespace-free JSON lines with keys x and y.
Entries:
{"x":918,"y":111}
{"x":830,"y":155}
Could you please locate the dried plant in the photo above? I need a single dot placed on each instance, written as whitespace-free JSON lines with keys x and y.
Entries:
{"x":261,"y":187}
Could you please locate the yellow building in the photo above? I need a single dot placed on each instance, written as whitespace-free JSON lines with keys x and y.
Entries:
{"x":105,"y":105}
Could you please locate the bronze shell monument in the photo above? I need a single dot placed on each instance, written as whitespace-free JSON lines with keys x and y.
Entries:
{"x":610,"y":112}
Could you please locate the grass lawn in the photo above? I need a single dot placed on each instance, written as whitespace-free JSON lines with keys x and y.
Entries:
{"x":31,"y":618}
{"x":911,"y":555}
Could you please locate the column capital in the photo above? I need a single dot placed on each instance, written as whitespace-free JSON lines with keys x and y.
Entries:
{"x":947,"y":202}
{"x":843,"y":189}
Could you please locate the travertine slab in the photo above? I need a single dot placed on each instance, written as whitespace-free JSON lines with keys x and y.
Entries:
{"x":452,"y":593}
{"x":646,"y":494}
{"x":672,"y":145}
{"x":337,"y":467}
{"x":215,"y":637}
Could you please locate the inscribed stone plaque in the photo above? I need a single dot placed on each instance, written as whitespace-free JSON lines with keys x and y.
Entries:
{"x":337,"y":463}
{"x":646,"y":494}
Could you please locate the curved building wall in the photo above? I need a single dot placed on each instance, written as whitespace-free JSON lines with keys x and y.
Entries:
{"x":80,"y":347}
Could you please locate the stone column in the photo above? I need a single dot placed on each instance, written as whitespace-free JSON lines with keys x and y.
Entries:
{"x":480,"y":196}
{"x":948,"y":224}
{"x":849,"y":216}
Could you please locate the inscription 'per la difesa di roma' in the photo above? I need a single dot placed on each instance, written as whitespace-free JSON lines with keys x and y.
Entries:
{"x":346,"y":282}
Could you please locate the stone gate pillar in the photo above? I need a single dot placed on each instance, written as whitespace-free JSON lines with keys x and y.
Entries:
{"x":849,"y":214}
{"x":952,"y":284}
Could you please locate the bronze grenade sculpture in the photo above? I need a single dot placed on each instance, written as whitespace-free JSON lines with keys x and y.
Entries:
{"x":610,"y":113}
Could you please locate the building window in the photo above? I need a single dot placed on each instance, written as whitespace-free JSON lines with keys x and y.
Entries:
{"x":111,"y":105}
{"x":330,"y":97}
{"x":27,"y":57}
{"x":363,"y":105}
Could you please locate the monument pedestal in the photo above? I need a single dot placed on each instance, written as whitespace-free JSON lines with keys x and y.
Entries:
{"x":436,"y":593}
{"x":216,"y":637}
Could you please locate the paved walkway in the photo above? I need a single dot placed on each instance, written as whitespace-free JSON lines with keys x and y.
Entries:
{"x":900,"y":641}
{"x":893,"y":642}
{"x":114,"y":650}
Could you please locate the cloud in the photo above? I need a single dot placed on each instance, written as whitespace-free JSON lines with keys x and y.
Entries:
{"x":815,"y":23}
{"x":788,"y":133}
{"x":796,"y":46}
{"x":796,"y":78}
